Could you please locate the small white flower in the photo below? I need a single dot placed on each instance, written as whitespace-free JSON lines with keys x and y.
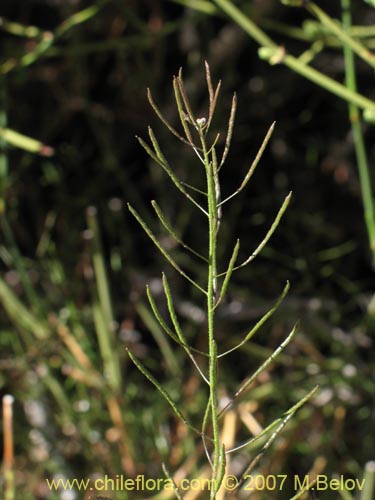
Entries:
{"x":201,"y":122}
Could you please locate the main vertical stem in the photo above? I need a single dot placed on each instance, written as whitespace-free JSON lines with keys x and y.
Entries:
{"x":211,"y":292}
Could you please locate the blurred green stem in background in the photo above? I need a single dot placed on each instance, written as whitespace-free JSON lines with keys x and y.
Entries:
{"x":359,"y":144}
{"x":5,"y":228}
{"x":342,"y":33}
{"x":46,"y":38}
{"x":275,"y":54}
{"x":3,"y":157}
{"x":102,"y":307}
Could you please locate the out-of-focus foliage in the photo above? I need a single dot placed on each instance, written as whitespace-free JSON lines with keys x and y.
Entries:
{"x":73,"y":77}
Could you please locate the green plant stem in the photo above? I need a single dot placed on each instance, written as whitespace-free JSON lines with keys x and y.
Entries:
{"x":22,"y":141}
{"x":246,"y":23}
{"x":102,"y":307}
{"x":162,"y":391}
{"x":342,"y":34}
{"x":56,"y":389}
{"x":281,"y":424}
{"x":369,"y":477}
{"x":293,"y":63}
{"x":19,"y":265}
{"x":48,"y":38}
{"x":21,"y":315}
{"x":307,"y":34}
{"x":10,"y":240}
{"x":207,"y":155}
{"x":211,"y":290}
{"x":100,"y":268}
{"x":107,"y":349}
{"x":304,"y":490}
{"x":153,"y":326}
{"x":3,"y":145}
{"x":200,"y":5}
{"x":18,"y":29}
{"x":359,"y":145}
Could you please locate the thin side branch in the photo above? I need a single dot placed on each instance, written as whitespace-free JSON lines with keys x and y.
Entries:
{"x":177,"y":327}
{"x":253,"y":165}
{"x":260,"y":323}
{"x":288,"y":415}
{"x":161,"y":389}
{"x":172,"y":232}
{"x":270,"y":232}
{"x":228,"y":273}
{"x":181,"y":113}
{"x":165,"y":166}
{"x":185,"y":98}
{"x":164,"y":325}
{"x":268,"y":361}
{"x":230,"y":130}
{"x":164,"y":120}
{"x":162,"y":250}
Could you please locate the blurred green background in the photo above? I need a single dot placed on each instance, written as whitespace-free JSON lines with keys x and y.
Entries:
{"x":74,"y":76}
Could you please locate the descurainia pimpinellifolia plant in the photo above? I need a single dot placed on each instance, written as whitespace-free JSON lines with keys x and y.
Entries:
{"x":209,"y":202}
